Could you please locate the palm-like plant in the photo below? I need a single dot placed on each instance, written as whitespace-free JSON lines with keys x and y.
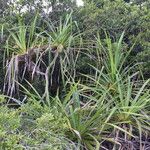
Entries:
{"x":87,"y":121}
{"x":113,"y":59}
{"x":62,"y":36}
{"x":65,"y":50}
{"x":28,"y":49}
{"x":122,"y":92}
{"x":22,"y":38}
{"x":130,"y":119}
{"x":131,"y":103}
{"x":22,"y":46}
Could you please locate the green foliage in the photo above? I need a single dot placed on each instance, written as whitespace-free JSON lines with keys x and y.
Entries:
{"x":24,"y":38}
{"x":107,"y":107}
{"x":44,"y":128}
{"x":9,"y":119}
{"x":114,"y":17}
{"x":9,"y":123}
{"x":62,"y":36}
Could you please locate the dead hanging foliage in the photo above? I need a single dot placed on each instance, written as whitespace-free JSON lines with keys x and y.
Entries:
{"x":30,"y":65}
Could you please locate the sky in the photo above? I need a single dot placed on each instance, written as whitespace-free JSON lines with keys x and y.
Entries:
{"x":79,"y":2}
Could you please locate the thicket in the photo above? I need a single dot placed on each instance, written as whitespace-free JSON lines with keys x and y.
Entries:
{"x":75,"y":78}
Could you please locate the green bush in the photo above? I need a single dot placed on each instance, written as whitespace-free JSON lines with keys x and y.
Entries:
{"x":32,"y":126}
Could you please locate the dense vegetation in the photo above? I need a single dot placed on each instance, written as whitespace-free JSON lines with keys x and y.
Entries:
{"x":75,"y":78}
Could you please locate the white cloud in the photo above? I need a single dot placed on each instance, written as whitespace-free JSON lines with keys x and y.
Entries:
{"x":79,"y":2}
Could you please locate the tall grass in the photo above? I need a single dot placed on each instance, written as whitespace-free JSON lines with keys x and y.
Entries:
{"x":122,"y":92}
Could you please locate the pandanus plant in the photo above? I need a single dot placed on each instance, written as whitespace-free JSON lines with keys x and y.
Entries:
{"x":64,"y":42}
{"x":38,"y":54}
{"x":23,"y":44}
{"x":129,"y":97}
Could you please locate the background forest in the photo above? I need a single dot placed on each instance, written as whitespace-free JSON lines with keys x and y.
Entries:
{"x":74,"y":77}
